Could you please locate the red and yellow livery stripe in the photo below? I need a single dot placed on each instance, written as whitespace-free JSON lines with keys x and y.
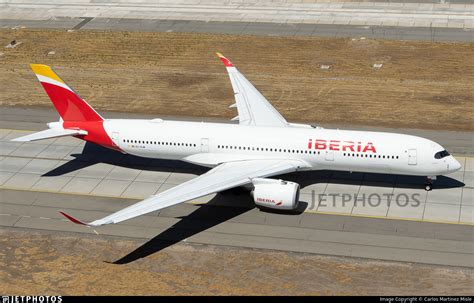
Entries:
{"x":69,"y":105}
{"x":224,"y":60}
{"x":75,"y":112}
{"x":45,"y":71}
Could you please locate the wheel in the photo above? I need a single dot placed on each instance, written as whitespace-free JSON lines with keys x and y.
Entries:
{"x":428,"y":186}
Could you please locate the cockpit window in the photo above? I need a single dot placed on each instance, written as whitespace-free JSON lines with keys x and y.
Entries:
{"x":441,"y":154}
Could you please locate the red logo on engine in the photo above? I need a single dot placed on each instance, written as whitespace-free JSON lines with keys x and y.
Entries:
{"x":338,"y":145}
{"x":266,"y":200}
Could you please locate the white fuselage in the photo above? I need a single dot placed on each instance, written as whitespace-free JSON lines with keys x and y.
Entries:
{"x":210,"y":144}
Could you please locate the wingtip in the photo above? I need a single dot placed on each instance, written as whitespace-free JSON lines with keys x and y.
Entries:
{"x":72,"y":219}
{"x":224,"y":60}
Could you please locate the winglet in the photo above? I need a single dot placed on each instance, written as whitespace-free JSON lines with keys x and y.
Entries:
{"x":224,"y":60}
{"x":72,"y":219}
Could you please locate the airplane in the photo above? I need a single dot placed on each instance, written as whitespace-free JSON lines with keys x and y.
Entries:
{"x":262,"y":145}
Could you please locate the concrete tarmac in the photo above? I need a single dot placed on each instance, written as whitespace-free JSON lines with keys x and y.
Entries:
{"x":244,"y":226}
{"x":406,"y":14}
{"x":427,"y":20}
{"x":433,"y":34}
{"x":37,"y":179}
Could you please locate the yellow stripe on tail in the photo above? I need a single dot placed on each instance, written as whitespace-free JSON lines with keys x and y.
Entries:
{"x":46,"y":71}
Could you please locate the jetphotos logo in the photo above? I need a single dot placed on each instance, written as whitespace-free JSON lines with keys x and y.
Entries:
{"x":32,"y":299}
{"x":338,"y":145}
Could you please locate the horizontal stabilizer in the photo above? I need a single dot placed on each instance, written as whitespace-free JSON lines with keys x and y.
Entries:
{"x":50,"y":133}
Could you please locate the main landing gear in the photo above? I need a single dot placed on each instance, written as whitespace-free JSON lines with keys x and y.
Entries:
{"x":429,"y":183}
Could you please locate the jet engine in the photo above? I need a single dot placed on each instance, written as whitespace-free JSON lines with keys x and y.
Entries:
{"x":277,"y":194}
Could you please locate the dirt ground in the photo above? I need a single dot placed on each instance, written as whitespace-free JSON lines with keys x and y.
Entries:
{"x":420,"y":85}
{"x":33,"y":262}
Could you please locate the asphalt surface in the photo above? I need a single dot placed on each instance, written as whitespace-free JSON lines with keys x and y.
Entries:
{"x":249,"y":28}
{"x":226,"y":219}
{"x":429,"y":20}
{"x":406,"y":14}
{"x":431,"y":243}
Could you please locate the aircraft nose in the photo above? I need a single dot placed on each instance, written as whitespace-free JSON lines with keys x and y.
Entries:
{"x":454,"y":165}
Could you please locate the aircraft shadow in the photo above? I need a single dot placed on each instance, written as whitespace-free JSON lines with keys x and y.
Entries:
{"x":306,"y":178}
{"x":204,"y":217}
{"x":94,"y":154}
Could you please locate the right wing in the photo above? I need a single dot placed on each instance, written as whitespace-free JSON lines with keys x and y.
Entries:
{"x":253,"y":107}
{"x":221,"y":177}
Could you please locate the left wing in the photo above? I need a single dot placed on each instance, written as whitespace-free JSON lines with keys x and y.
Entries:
{"x":222,"y":177}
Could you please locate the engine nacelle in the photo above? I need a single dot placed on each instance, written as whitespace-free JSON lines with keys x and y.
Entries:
{"x":277,"y":194}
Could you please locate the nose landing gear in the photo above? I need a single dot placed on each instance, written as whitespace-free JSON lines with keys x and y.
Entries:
{"x":428,"y":186}
{"x":429,"y":183}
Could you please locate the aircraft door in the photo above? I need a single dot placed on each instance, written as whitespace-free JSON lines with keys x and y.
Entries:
{"x":412,"y":157}
{"x":329,"y":155}
{"x":204,"y":145}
